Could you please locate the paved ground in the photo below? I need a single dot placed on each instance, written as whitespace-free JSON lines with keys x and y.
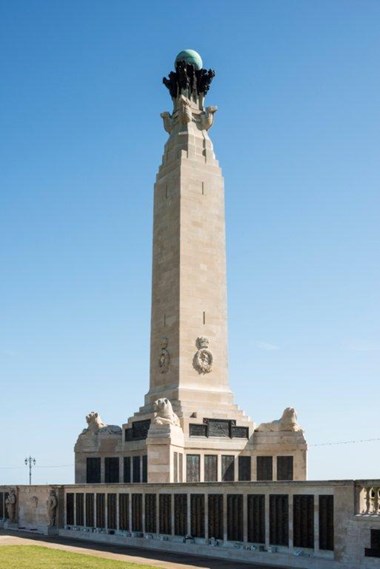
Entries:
{"x":131,"y":554}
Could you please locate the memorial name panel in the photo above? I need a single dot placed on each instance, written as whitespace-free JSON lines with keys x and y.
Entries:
{"x":180,"y":514}
{"x":90,"y":510}
{"x":124,"y":512}
{"x":79,"y":509}
{"x":256,"y":518}
{"x":215,"y":516}
{"x":111,"y":511}
{"x":235,"y":517}
{"x":303,"y":521}
{"x":100,"y":511}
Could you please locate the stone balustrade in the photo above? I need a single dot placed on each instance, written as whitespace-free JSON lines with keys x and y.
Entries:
{"x":368,"y":498}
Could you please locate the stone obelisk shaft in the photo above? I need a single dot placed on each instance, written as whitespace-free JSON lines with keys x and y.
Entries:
{"x":189,"y":301}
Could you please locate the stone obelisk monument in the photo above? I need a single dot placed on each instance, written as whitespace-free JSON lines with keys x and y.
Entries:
{"x":189,"y":313}
{"x":189,"y":428}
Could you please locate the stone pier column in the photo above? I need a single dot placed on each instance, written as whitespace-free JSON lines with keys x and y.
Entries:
{"x":162,"y":442}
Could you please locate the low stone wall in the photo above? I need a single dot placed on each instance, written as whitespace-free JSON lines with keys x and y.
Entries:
{"x":312,"y":525}
{"x":31,"y":509}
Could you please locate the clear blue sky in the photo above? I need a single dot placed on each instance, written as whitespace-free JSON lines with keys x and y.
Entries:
{"x":297,"y":135}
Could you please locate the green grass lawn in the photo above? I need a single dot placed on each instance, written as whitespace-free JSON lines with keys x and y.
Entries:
{"x":37,"y":557}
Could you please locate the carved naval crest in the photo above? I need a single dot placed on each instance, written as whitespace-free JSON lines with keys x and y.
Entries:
{"x":203,"y":358}
{"x":164,"y":359}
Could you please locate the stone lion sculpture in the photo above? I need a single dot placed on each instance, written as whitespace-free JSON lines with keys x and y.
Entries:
{"x":164,"y":414}
{"x":288,"y":422}
{"x":96,"y":426}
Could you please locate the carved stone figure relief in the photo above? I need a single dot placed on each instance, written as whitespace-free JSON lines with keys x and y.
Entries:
{"x":52,"y":504}
{"x":164,"y":414}
{"x":10,"y":504}
{"x":203,"y":359}
{"x":164,"y":359}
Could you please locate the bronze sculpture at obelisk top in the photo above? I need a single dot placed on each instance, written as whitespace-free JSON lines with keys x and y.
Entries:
{"x":189,"y":427}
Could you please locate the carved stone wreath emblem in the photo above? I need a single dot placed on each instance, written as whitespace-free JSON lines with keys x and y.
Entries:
{"x":164,"y":359}
{"x":203,"y":359}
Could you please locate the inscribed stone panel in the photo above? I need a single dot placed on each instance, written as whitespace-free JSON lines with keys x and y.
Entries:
{"x":239,"y":432}
{"x":303,"y":521}
{"x":264,"y":468}
{"x":165,"y":514}
{"x":127,"y":470}
{"x":211,"y":468}
{"x":111,"y":470}
{"x":136,"y":469}
{"x":228,"y":468}
{"x":284,"y":468}
{"x":136,"y":512}
{"x":93,"y":470}
{"x":244,"y":468}
{"x":193,"y":467}
{"x":215,"y":516}
{"x":196,"y":430}
{"x":111,"y":511}
{"x":218,"y":428}
{"x":79,"y":509}
{"x":70,"y":509}
{"x":124,"y":512}
{"x":278,"y":519}
{"x":100,"y":511}
{"x":144,"y":468}
{"x":256,"y":518}
{"x":326,"y":522}
{"x":197,"y":511}
{"x":150,"y":513}
{"x":235,"y":517}
{"x":90,"y":510}
{"x":180,"y":514}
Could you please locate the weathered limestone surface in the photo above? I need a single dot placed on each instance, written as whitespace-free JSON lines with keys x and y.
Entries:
{"x":38,"y":508}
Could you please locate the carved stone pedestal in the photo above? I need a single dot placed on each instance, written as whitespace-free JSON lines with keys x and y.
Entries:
{"x":165,"y":445}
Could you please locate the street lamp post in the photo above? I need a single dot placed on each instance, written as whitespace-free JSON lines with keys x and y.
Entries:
{"x":31,"y":461}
